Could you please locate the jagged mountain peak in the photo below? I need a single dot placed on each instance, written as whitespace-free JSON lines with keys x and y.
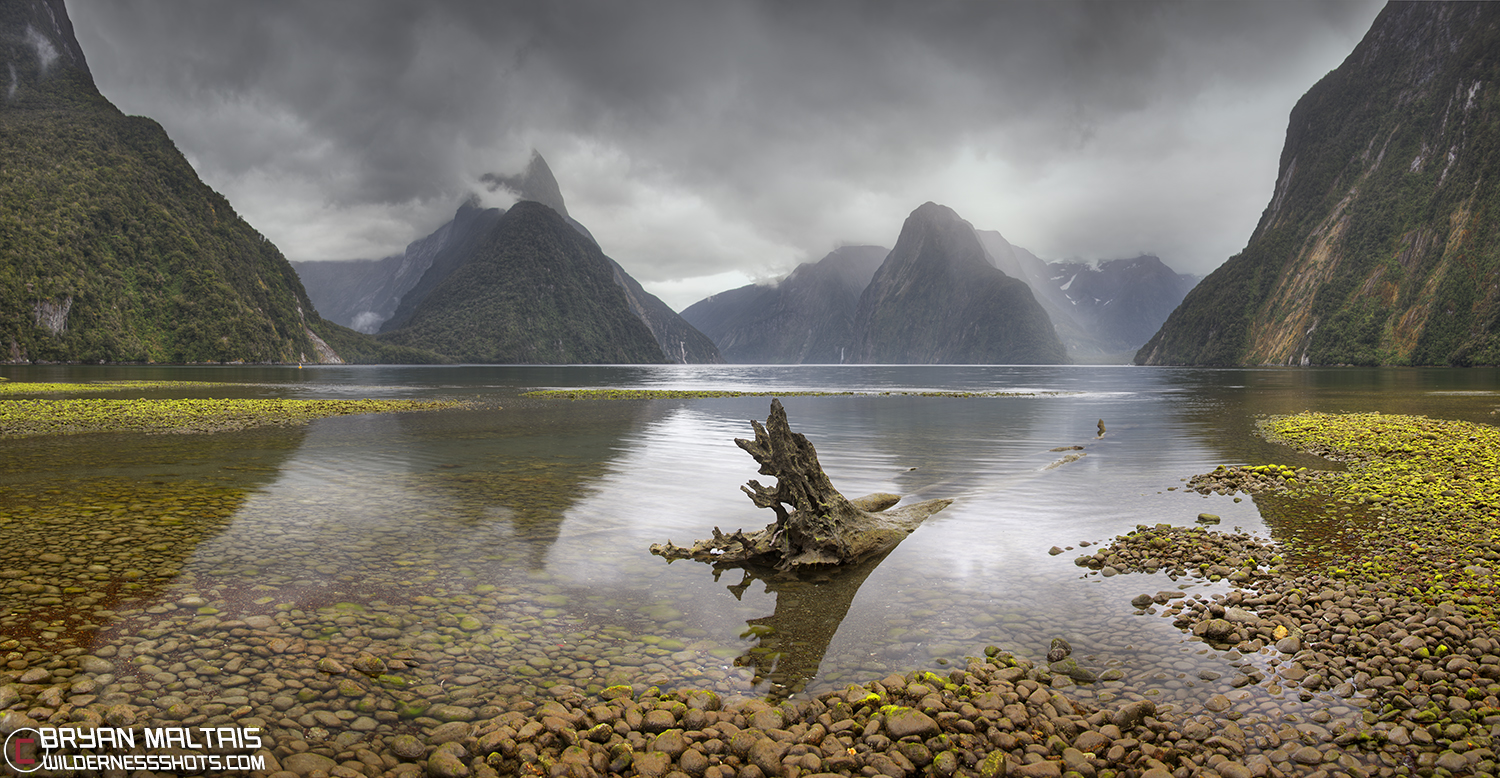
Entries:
{"x":535,"y":183}
{"x":387,"y":295}
{"x":956,"y":241}
{"x":530,"y":289}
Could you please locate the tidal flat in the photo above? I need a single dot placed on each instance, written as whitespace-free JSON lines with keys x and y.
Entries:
{"x":394,"y":657}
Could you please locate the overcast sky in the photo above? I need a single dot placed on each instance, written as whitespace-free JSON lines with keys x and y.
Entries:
{"x":708,"y":144}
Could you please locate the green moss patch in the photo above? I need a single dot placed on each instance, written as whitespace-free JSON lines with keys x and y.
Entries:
{"x":1432,"y":488}
{"x":8,"y":387}
{"x":21,"y":418}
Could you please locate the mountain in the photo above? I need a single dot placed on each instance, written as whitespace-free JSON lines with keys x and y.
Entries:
{"x":1121,"y":302}
{"x":113,"y":249}
{"x":382,"y":295}
{"x":364,"y":293}
{"x":937,"y":300}
{"x":536,"y":183}
{"x":531,"y":289}
{"x":807,"y":317}
{"x":1103,"y":311}
{"x":1381,"y":243}
{"x":437,"y":256}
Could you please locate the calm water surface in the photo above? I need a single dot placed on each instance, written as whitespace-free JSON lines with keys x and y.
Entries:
{"x":503,"y":547}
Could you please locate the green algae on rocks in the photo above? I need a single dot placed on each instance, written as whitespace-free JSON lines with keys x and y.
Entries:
{"x":24,"y":418}
{"x":1423,"y":493}
{"x":8,"y":387}
{"x":1432,"y":487}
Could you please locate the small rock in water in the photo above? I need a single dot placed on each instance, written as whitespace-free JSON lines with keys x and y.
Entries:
{"x":1059,"y":651}
{"x":1217,"y":630}
{"x":1207,"y":518}
{"x":1054,"y":551}
{"x":1070,"y":668}
{"x":93,"y":664}
{"x":1142,"y":601}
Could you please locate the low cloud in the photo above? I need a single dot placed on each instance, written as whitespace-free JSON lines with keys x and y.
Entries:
{"x":732,"y":140}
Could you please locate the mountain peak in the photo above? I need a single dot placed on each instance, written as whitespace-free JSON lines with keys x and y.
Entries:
{"x":530,"y":289}
{"x":937,"y":300}
{"x":535,"y":183}
{"x":936,"y":214}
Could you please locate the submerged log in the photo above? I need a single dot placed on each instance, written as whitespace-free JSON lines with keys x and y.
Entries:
{"x":815,"y":525}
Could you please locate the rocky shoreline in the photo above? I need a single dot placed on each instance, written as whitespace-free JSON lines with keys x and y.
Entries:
{"x":1341,"y":668}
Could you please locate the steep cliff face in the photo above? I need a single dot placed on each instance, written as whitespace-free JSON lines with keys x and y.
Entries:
{"x":807,"y":317}
{"x":1380,"y":243}
{"x":530,"y":289}
{"x":114,"y":250}
{"x":937,"y":300}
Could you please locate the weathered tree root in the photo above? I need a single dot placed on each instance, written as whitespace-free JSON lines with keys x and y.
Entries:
{"x":815,"y":525}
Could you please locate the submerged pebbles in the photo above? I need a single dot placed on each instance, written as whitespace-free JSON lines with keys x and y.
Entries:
{"x":1298,"y":671}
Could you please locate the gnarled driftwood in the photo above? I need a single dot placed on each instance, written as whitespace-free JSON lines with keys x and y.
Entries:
{"x":815,"y":524}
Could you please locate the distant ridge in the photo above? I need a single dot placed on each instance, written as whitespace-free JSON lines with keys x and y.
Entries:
{"x":807,"y":317}
{"x":1103,"y":311}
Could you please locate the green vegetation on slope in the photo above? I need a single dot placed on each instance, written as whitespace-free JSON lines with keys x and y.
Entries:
{"x":532,"y":291}
{"x":1380,"y":245}
{"x":115,"y":252}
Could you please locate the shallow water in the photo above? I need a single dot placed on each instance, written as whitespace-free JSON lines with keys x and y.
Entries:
{"x":496,"y":551}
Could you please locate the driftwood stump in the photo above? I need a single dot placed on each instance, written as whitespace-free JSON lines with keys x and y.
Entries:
{"x":815,"y":525}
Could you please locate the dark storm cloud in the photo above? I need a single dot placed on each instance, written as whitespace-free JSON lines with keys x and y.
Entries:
{"x":725,"y":140}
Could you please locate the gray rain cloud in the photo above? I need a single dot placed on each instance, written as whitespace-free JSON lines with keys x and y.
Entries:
{"x":706,"y":144}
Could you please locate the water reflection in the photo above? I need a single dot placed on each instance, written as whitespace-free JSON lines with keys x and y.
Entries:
{"x":791,"y":642}
{"x":522,"y":467}
{"x":117,"y":534}
{"x":516,"y":536}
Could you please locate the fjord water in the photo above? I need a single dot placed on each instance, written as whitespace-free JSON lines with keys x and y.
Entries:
{"x":501,"y":548}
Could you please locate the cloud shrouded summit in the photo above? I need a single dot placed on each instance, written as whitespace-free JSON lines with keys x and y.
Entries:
{"x":706,"y":144}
